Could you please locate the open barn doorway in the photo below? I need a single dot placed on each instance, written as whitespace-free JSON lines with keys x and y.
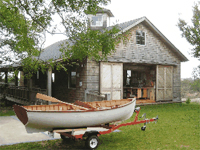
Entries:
{"x":139,"y":80}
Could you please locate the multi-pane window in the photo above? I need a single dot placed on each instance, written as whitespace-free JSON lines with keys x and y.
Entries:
{"x":140,"y":37}
{"x":97,"y":20}
{"x":72,"y":79}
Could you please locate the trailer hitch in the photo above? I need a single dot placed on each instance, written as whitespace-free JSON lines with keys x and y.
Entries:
{"x":145,"y":120}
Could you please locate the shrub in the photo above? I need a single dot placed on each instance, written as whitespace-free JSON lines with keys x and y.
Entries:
{"x":188,"y":101}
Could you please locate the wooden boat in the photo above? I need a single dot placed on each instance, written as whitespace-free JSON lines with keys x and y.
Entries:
{"x":39,"y":118}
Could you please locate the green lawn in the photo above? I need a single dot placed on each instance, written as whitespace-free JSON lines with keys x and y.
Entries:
{"x":6,"y":110}
{"x":178,"y":127}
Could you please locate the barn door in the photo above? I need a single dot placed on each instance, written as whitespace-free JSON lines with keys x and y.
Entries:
{"x":164,"y":84}
{"x":111,"y":79}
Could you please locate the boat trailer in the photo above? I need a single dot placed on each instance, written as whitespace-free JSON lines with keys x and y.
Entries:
{"x":91,"y":136}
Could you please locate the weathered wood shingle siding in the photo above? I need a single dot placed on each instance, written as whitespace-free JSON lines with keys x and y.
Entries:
{"x":154,"y":51}
{"x":80,"y":90}
{"x":92,"y":75}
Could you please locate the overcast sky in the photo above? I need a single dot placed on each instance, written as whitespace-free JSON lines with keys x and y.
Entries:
{"x":164,"y":14}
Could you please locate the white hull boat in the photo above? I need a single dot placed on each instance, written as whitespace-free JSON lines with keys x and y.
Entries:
{"x":39,"y":118}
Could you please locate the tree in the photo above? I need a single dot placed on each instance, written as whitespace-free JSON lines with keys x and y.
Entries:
{"x":195,"y":85}
{"x":185,"y":87}
{"x":24,"y":24}
{"x":192,"y":35}
{"x":192,"y":32}
{"x":196,"y":73}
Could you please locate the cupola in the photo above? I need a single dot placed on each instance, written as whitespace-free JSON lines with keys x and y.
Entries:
{"x":100,"y":20}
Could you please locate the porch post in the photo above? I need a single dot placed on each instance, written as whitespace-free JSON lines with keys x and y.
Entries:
{"x":21,"y":79}
{"x":49,"y":82}
{"x":6,"y":77}
{"x":30,"y":84}
{"x":16,"y":80}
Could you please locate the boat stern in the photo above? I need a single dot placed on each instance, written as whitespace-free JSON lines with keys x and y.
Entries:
{"x":21,"y":113}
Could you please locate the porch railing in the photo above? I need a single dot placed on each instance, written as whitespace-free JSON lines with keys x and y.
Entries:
{"x":21,"y":93}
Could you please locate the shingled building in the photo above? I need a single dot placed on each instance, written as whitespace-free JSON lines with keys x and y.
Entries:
{"x":147,"y":66}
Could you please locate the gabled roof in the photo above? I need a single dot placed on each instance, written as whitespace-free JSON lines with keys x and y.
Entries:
{"x":130,"y":24}
{"x":52,"y":51}
{"x":125,"y":25}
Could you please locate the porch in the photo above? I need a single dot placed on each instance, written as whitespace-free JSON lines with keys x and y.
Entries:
{"x":20,"y":94}
{"x":149,"y":83}
{"x":18,"y":89}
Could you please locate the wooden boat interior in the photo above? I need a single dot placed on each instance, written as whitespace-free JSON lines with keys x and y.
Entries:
{"x":76,"y":106}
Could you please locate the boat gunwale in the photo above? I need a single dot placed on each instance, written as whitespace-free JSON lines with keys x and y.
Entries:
{"x":78,"y":111}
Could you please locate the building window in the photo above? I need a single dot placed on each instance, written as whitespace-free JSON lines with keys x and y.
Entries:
{"x":140,"y":37}
{"x":128,"y":77}
{"x":72,"y":79}
{"x":97,"y":20}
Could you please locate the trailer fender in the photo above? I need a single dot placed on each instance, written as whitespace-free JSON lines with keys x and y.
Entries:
{"x":90,"y":133}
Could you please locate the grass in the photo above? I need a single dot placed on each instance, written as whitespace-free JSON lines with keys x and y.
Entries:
{"x":178,"y":127}
{"x":7,"y":112}
{"x":6,"y":109}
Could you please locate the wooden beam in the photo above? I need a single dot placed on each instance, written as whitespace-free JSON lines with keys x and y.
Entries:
{"x":16,"y":80}
{"x":21,"y":79}
{"x":6,"y":77}
{"x":49,"y":82}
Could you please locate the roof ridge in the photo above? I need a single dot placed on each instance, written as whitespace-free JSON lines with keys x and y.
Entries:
{"x":56,"y":43}
{"x":124,"y":25}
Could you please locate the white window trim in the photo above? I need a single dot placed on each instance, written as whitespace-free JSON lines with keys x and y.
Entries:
{"x":144,"y":38}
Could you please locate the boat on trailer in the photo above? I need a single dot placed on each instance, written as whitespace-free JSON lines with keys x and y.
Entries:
{"x":62,"y":115}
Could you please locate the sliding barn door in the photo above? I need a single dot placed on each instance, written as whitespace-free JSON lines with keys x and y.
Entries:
{"x":111,"y":79}
{"x":164,"y":83}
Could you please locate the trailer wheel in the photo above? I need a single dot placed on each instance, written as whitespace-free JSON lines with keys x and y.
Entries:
{"x":143,"y":128}
{"x":92,"y":142}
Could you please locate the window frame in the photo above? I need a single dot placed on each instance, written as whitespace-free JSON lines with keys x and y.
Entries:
{"x":96,"y":21}
{"x":128,"y":77}
{"x":70,"y":85}
{"x":140,"y":36}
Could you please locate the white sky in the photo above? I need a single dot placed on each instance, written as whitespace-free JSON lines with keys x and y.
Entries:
{"x":164,"y":14}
